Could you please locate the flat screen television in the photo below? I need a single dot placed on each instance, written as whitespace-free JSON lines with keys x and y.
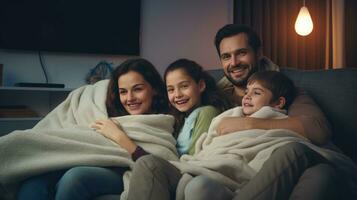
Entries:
{"x":77,"y":26}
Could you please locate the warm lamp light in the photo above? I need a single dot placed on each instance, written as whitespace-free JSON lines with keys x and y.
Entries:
{"x":303,"y":24}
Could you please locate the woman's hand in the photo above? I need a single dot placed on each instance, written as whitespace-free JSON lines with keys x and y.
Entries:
{"x":111,"y":130}
{"x":108,"y":129}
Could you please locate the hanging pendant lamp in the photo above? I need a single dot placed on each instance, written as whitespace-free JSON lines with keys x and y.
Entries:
{"x":303,"y":23}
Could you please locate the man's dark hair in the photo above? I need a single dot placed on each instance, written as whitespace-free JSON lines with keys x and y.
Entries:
{"x":278,"y":83}
{"x":234,"y":29}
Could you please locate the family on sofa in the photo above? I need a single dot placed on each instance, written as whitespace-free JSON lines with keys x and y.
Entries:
{"x":144,"y":138}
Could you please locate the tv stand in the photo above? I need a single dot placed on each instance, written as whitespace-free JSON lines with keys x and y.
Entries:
{"x":47,"y":85}
{"x":41,"y":100}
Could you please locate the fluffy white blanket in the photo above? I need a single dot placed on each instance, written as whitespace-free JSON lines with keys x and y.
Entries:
{"x":233,"y":159}
{"x":63,"y":139}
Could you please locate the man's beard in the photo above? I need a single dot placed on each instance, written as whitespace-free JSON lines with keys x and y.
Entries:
{"x":240,"y":82}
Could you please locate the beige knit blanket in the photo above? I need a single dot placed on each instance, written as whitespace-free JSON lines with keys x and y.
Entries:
{"x":233,"y":159}
{"x":63,"y":140}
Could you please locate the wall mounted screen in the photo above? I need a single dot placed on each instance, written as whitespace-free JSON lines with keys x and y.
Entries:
{"x":77,"y":26}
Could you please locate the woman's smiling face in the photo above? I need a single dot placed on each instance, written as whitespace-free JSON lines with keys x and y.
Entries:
{"x":135,"y":93}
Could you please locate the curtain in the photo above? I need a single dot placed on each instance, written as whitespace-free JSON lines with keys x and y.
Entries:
{"x":336,"y":10}
{"x":274,"y":22}
{"x":351,"y":33}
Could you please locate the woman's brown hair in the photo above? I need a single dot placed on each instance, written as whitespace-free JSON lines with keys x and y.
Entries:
{"x":149,"y":73}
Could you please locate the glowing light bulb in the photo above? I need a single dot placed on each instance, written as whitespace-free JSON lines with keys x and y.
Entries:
{"x":303,"y":24}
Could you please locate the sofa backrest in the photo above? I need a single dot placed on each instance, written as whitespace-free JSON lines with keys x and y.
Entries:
{"x":335,"y":91}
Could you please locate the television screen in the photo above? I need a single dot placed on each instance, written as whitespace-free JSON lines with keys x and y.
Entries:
{"x":78,"y":26}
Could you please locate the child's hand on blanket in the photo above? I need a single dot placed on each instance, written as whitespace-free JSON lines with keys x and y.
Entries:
{"x":233,"y":124}
{"x":112,"y":131}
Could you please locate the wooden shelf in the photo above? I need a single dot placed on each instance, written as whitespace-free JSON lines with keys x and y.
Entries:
{"x":13,"y":88}
{"x":20,"y":118}
{"x":41,"y":100}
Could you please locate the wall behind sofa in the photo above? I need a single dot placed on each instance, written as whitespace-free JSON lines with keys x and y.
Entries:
{"x":170,"y":30}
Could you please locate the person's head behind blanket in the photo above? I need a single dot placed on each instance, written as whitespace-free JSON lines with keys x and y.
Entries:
{"x":136,"y":87}
{"x":268,"y":88}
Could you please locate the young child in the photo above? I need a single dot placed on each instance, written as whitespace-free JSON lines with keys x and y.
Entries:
{"x":268,"y":88}
{"x":194,"y":99}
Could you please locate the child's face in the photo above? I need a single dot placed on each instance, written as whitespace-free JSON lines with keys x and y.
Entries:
{"x":183,"y":91}
{"x":135,"y":93}
{"x":256,"y":96}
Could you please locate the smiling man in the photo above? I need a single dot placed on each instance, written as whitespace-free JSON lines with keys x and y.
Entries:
{"x":240,"y":56}
{"x":238,"y":59}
